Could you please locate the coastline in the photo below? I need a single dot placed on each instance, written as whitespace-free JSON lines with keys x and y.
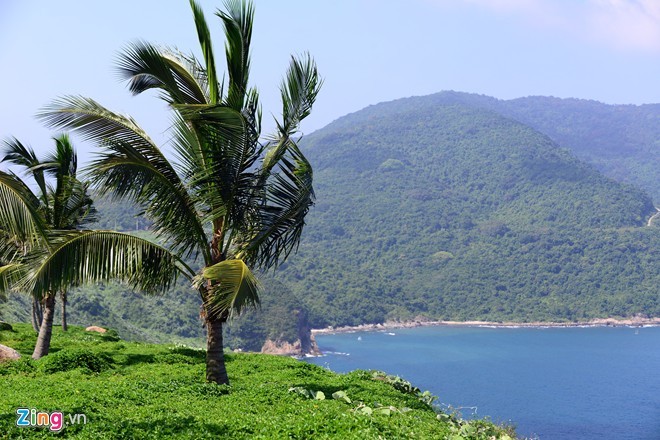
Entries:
{"x":390,"y":325}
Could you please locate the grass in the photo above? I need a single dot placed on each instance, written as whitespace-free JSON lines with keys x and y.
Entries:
{"x":130,"y":390}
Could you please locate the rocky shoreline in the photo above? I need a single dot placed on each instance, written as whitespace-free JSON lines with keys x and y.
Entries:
{"x":299,"y":348}
{"x":390,"y":325}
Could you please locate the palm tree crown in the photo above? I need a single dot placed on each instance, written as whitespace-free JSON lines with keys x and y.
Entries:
{"x":226,"y":196}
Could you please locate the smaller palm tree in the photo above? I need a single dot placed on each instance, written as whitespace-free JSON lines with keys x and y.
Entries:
{"x":42,"y":248}
{"x":64,"y":206}
{"x":67,"y":205}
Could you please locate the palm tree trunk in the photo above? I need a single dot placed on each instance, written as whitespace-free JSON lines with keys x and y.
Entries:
{"x":46,"y":331}
{"x":215,"y":356}
{"x":65,"y":327}
{"x":36,"y":315}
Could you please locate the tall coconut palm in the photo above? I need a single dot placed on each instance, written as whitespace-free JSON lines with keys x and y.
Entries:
{"x":42,"y":253}
{"x":235,"y":202}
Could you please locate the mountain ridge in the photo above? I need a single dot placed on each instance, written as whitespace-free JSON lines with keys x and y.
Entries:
{"x":526,"y":212}
{"x":586,"y":127}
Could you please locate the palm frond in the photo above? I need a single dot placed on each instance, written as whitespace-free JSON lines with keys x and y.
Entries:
{"x":64,"y":161}
{"x":133,"y":166}
{"x":204,"y":36}
{"x":15,"y":152}
{"x":228,"y":155}
{"x":190,"y":73}
{"x":188,"y":149}
{"x":198,"y":171}
{"x":18,"y":154}
{"x":96,"y":123}
{"x":125,"y":172}
{"x":228,"y":123}
{"x":77,"y":207}
{"x":20,"y":218}
{"x":10,"y":251}
{"x":209,"y":141}
{"x":63,"y":164}
{"x":252,"y":115}
{"x":147,"y":67}
{"x":237,"y":21}
{"x":234,"y":287}
{"x":10,"y":275}
{"x":299,"y":89}
{"x":84,"y":257}
{"x":279,"y":221}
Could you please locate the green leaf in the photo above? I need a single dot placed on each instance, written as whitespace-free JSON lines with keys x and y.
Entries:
{"x":204,"y":37}
{"x":10,"y":274}
{"x":237,"y":21}
{"x":85,"y":257}
{"x":280,"y":220}
{"x":234,"y":287}
{"x":365,"y":410}
{"x":468,"y":430}
{"x":20,"y":219}
{"x":299,"y":89}
{"x":132,"y":166}
{"x":18,"y":154}
{"x":385,"y":410}
{"x":180,"y":78}
{"x":341,"y":395}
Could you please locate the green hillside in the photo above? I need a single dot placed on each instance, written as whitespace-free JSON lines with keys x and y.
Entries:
{"x":129,"y":390}
{"x":622,"y":141}
{"x":453,"y":212}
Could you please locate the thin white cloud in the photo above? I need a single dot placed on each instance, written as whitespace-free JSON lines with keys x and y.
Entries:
{"x":626,"y":24}
{"x":620,"y":24}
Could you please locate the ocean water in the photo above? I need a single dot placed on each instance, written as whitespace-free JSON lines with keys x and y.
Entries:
{"x":551,"y":383}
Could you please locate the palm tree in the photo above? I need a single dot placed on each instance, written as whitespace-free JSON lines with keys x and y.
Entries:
{"x":16,"y":243}
{"x":40,"y":243}
{"x":228,"y":198}
{"x":64,"y":206}
{"x":67,"y":205}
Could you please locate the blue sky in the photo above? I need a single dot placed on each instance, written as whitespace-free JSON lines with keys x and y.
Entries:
{"x":368,"y":51}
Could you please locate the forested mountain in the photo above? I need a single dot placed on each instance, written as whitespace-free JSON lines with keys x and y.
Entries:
{"x":447,"y":207}
{"x":622,"y":141}
{"x":453,"y":211}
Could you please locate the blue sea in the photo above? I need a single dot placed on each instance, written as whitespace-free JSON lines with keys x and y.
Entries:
{"x":551,"y":383}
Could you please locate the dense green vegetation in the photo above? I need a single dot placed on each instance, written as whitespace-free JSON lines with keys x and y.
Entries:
{"x":174,"y":316}
{"x":132,"y":390}
{"x":622,"y":141}
{"x":454,"y":212}
{"x":170,"y":317}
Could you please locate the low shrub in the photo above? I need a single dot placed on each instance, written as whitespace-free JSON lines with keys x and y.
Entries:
{"x":22,"y":365}
{"x":175,"y":358}
{"x":70,"y":359}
